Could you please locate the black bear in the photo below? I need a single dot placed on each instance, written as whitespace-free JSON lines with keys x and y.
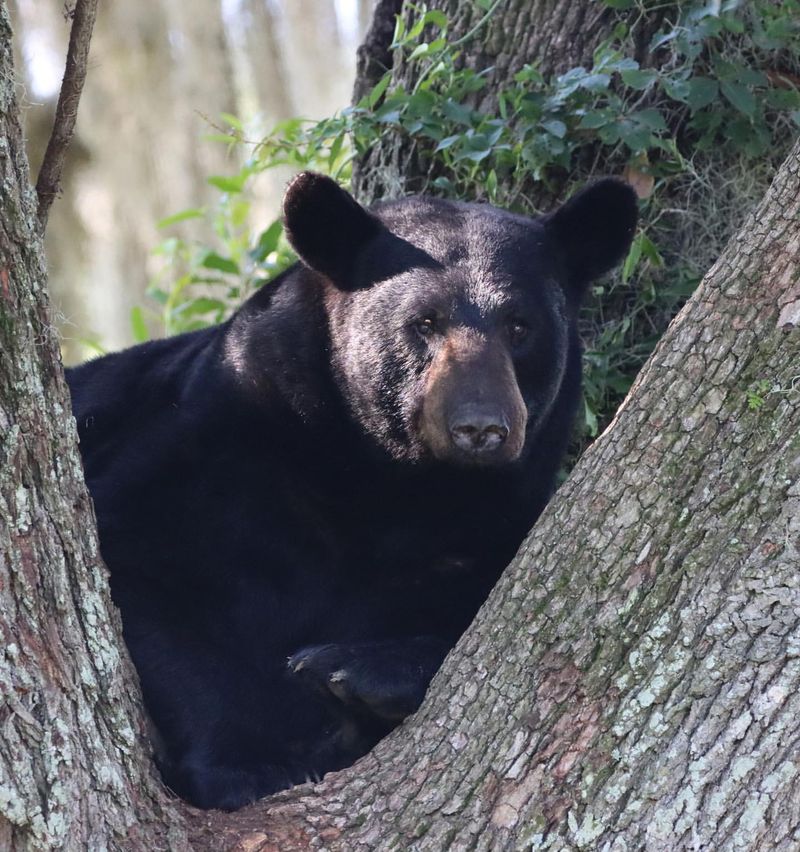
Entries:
{"x":303,"y":508}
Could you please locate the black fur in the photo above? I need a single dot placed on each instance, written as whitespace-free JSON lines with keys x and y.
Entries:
{"x":292,"y":552}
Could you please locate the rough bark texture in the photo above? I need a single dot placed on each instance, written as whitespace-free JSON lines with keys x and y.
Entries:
{"x":555,"y":35}
{"x":634,"y":680}
{"x":374,"y":57}
{"x":74,"y":766}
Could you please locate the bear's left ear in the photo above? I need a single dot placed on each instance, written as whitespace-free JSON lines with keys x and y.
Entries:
{"x":326,"y":226}
{"x":593,"y":230}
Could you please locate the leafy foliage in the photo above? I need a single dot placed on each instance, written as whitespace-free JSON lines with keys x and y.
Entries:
{"x":697,"y":130}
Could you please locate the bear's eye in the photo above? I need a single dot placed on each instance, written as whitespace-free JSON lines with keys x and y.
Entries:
{"x":425,"y":327}
{"x":518,"y":330}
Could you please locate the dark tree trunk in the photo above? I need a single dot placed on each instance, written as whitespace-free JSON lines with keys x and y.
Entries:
{"x":374,"y":56}
{"x":554,"y":35}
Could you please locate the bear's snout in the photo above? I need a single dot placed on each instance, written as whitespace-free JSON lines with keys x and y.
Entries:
{"x":473,"y":412}
{"x":479,"y":430}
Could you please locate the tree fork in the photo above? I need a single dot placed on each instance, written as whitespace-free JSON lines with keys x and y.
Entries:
{"x":634,"y":678}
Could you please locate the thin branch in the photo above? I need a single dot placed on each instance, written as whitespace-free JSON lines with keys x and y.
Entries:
{"x":47,"y":184}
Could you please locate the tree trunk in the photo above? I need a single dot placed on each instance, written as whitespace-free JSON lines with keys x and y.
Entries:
{"x":74,"y":766}
{"x":632,"y":682}
{"x":554,"y":35}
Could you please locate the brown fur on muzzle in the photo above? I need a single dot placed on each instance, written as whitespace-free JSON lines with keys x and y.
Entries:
{"x":471,"y":371}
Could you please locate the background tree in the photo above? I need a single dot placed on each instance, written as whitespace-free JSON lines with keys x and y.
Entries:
{"x":633,"y":679}
{"x":499,"y":38}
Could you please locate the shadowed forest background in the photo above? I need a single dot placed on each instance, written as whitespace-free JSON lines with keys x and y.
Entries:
{"x":161,"y":75}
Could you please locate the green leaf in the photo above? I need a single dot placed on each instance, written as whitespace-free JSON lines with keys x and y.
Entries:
{"x":158,"y":295}
{"x":610,"y":134}
{"x":651,"y":119}
{"x":491,"y":183}
{"x":446,"y":143}
{"x":570,"y":81}
{"x":200,"y":305}
{"x":494,"y":130}
{"x":138,"y":325}
{"x":387,"y":116}
{"x":193,"y":213}
{"x":677,"y":89}
{"x":619,"y":4}
{"x":595,"y":82}
{"x":639,"y":79}
{"x":733,"y":25}
{"x":632,"y":260}
{"x":660,"y":39}
{"x":267,"y":242}
{"x":590,"y":418}
{"x":399,"y":32}
{"x":595,"y":119}
{"x":474,"y":154}
{"x":650,"y":251}
{"x":457,"y":112}
{"x":740,"y":96}
{"x":444,"y":183}
{"x":435,"y":17}
{"x":420,"y":50}
{"x":225,"y":138}
{"x":555,"y":127}
{"x":636,"y":136}
{"x":608,"y":59}
{"x":702,"y":92}
{"x":378,"y":89}
{"x":750,"y":77}
{"x":228,"y":184}
{"x":212,"y":260}
{"x":783,"y":99}
{"x":232,"y":120}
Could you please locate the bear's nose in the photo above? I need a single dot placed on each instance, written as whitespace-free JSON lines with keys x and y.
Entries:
{"x":478,"y":430}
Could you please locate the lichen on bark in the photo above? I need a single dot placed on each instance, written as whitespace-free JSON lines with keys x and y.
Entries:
{"x":75,"y":771}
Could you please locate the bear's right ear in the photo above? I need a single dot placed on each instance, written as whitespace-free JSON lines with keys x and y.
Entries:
{"x":326,"y":226}
{"x":593,"y":231}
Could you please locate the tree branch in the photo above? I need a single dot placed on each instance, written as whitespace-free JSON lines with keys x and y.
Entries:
{"x":47,"y":184}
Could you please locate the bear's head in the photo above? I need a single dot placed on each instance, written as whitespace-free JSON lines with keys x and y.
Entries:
{"x":453,"y":325}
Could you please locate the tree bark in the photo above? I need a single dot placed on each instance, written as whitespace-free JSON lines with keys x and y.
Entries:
{"x":554,"y":35}
{"x":75,"y":771}
{"x":374,"y":57}
{"x":632,"y":682}
{"x":634,"y":679}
